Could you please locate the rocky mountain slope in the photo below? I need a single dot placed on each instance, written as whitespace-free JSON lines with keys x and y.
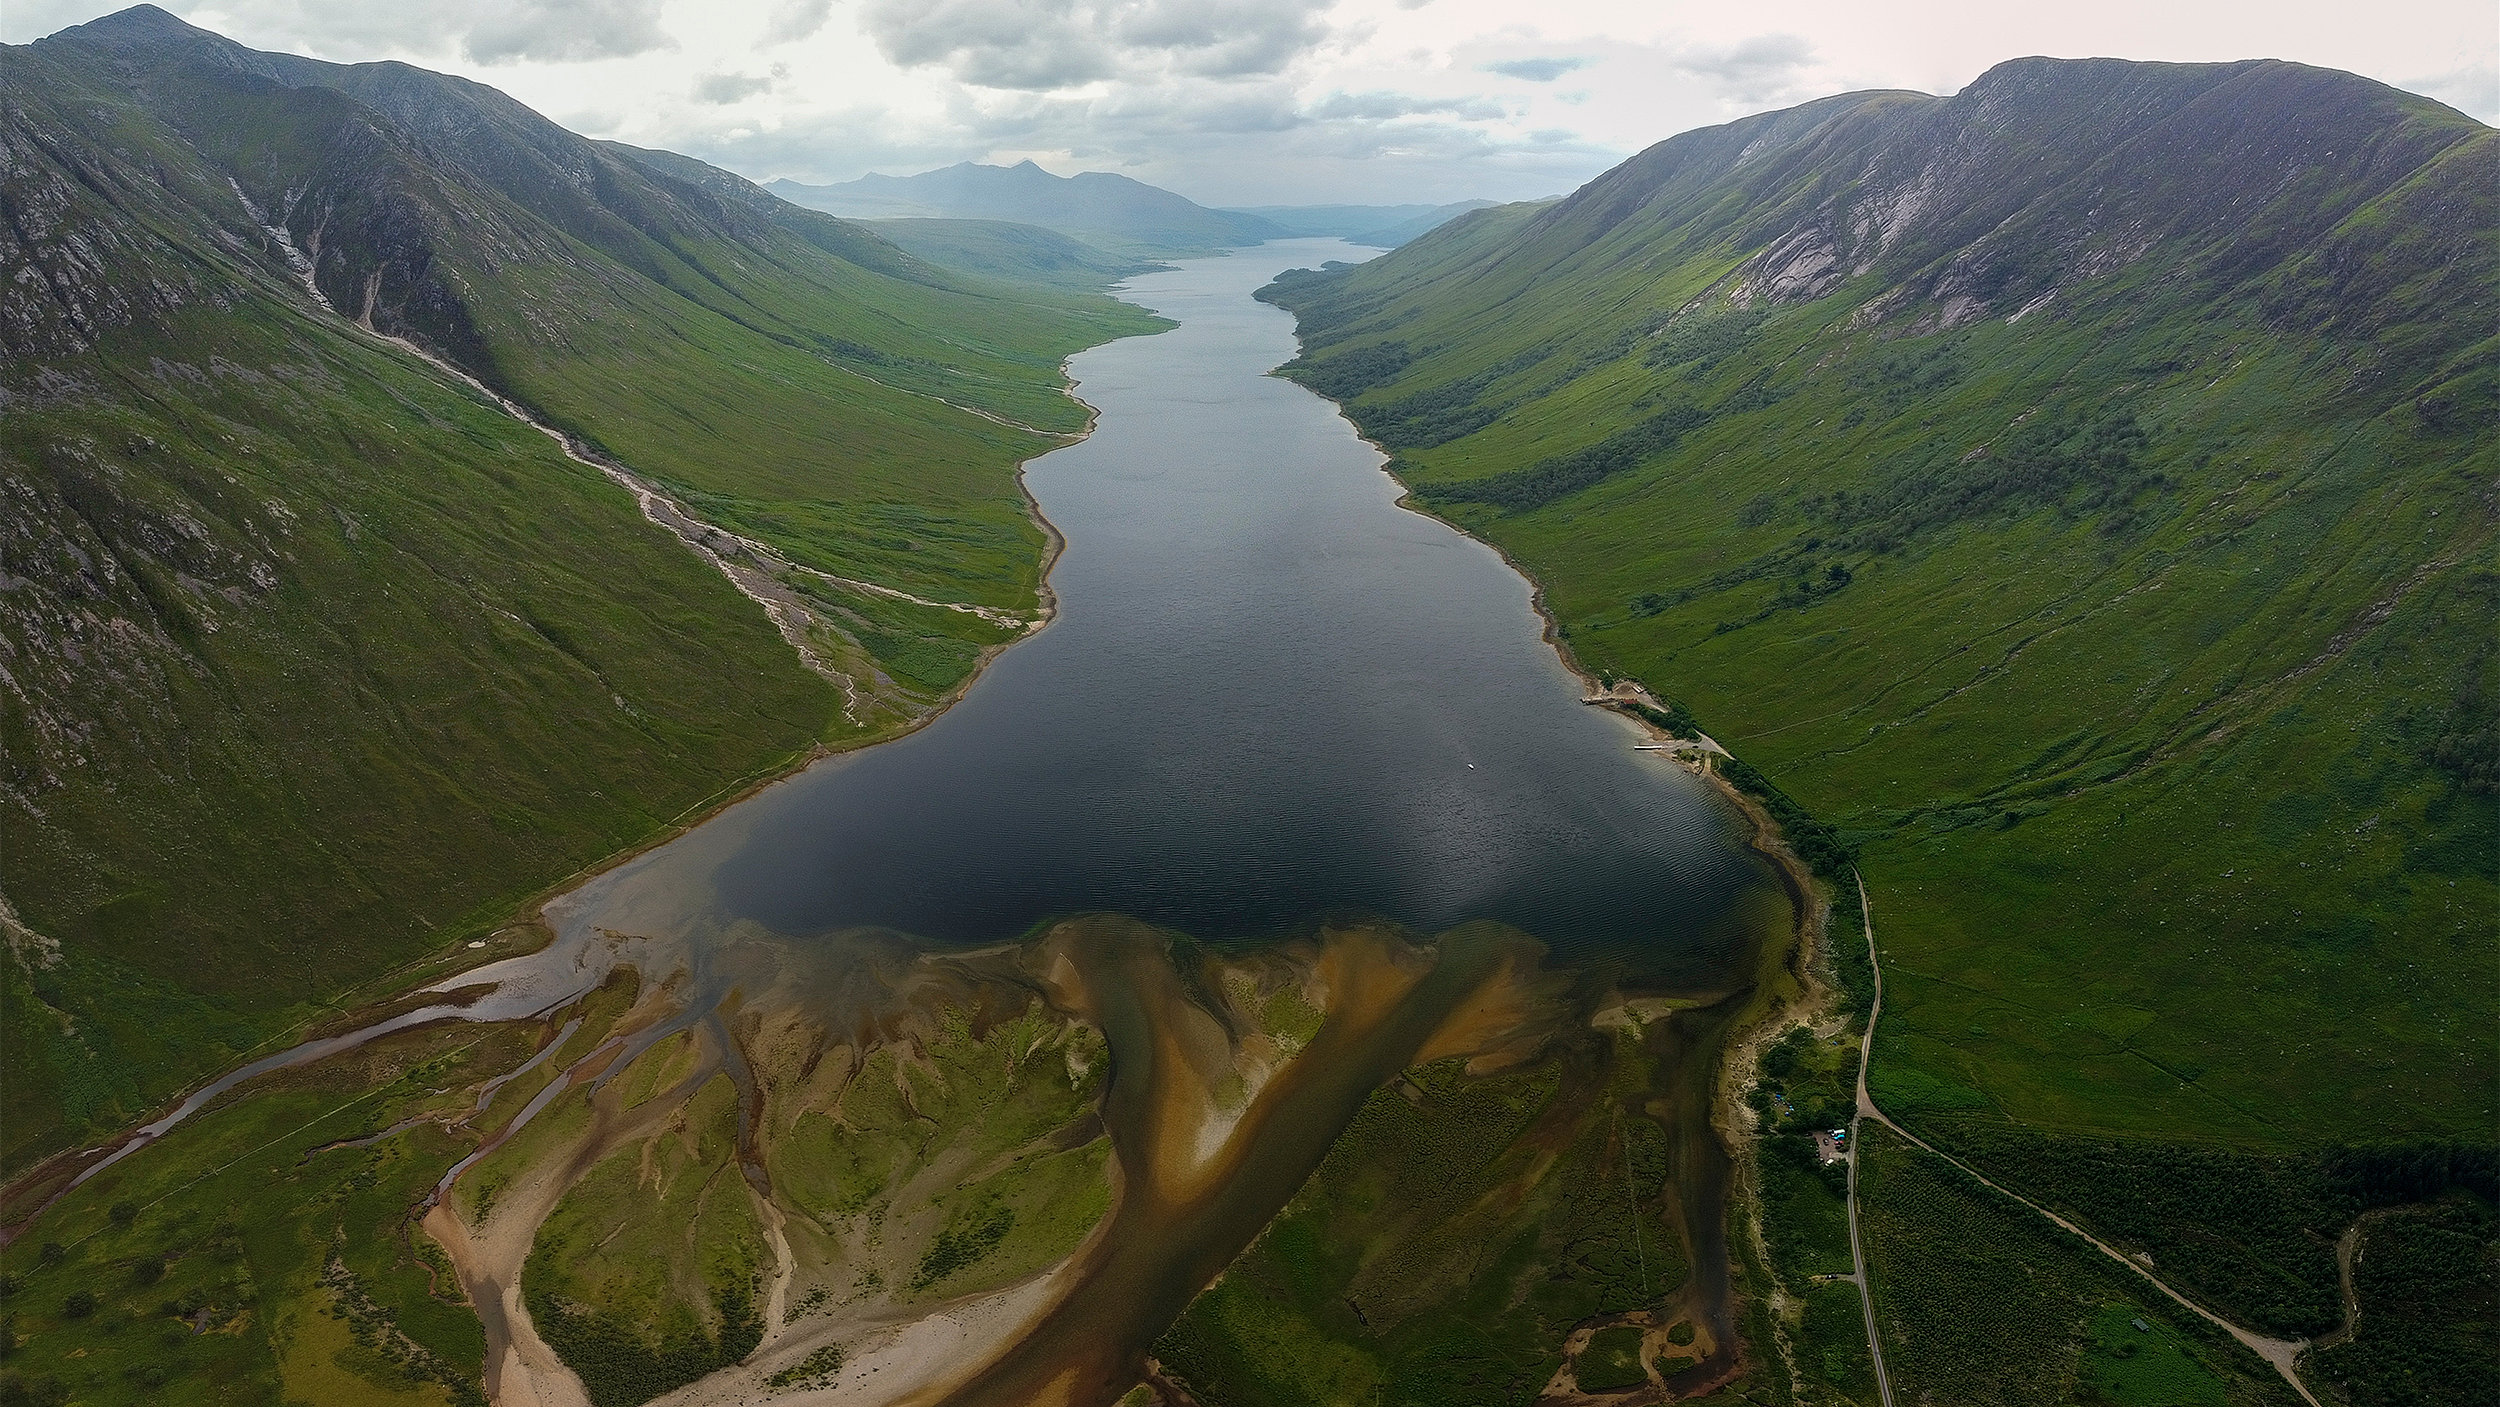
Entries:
{"x":317,"y":658}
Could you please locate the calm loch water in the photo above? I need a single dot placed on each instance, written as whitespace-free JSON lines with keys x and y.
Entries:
{"x":1270,"y":692}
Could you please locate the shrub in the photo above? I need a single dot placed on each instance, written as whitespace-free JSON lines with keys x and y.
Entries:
{"x":1543,"y":482}
{"x":1612,"y":1361}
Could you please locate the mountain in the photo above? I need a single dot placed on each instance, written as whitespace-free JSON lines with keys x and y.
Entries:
{"x":318,"y":662}
{"x":1001,"y":249}
{"x":1382,"y":226}
{"x":1396,"y":233}
{"x":2072,"y":502}
{"x":1115,"y":213}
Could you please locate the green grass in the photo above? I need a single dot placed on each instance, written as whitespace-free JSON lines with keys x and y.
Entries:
{"x":473,"y":671}
{"x":2007,"y":712}
{"x":1612,"y":1360}
{"x":1435,"y":1256}
{"x":1828,"y":1338}
{"x":2137,"y":650}
{"x":929,"y":650}
{"x":237,"y":1262}
{"x":2142,"y":1367}
{"x":817,"y":1369}
{"x":645,"y":1277}
{"x":1763,"y":1378}
{"x":1015,"y":253}
{"x":1806,"y":1086}
{"x":2253,"y":1235}
{"x":329,"y":665}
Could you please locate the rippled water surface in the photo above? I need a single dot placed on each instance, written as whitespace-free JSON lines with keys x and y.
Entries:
{"x":1270,"y":692}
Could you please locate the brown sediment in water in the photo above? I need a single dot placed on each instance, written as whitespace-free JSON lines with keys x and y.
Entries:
{"x":1213,"y":1122}
{"x":1202,"y":1176}
{"x":1792,"y":981}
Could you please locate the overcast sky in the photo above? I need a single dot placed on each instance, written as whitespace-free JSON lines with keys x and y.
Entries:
{"x":1276,"y":101}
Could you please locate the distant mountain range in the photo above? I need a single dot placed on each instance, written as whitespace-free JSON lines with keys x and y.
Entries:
{"x":1003,"y":249}
{"x":1381,"y":226}
{"x":1110,"y":212}
{"x":1123,"y":217}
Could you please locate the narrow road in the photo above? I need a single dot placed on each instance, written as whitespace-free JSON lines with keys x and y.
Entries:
{"x":2284,"y":1354}
{"x":1866,"y":1106}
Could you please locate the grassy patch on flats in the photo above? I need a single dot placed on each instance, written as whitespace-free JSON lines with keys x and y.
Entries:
{"x":644,"y":1277}
{"x":1612,"y":1360}
{"x":1982,"y":1302}
{"x":817,"y":1369}
{"x":1011,"y":1180}
{"x":263,"y":1252}
{"x":1456,"y":1233}
{"x":2141,"y":1367}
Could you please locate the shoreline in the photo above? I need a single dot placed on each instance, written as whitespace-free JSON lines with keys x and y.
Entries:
{"x":364,"y":1002}
{"x":1797,"y":961}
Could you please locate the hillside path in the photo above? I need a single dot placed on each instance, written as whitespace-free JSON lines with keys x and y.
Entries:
{"x":1866,"y":1106}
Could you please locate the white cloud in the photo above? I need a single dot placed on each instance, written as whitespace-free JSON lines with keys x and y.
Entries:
{"x":1537,"y":70}
{"x":2470,"y":88}
{"x":1045,"y":45}
{"x":1258,"y":101}
{"x":485,"y":32}
{"x":562,"y":31}
{"x":1382,"y":106}
{"x":721,"y":89}
{"x":794,"y":20}
{"x":1754,"y":70}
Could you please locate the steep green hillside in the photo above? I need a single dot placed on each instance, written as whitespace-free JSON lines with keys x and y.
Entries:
{"x":2078,"y":492}
{"x":315,"y":660}
{"x":788,"y":369}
